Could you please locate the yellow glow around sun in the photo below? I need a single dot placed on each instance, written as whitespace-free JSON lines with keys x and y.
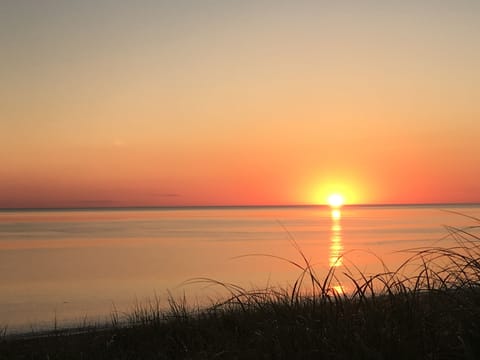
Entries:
{"x":335,"y":200}
{"x":335,"y":192}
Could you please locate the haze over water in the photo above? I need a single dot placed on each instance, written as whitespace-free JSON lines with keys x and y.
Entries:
{"x":77,"y":263}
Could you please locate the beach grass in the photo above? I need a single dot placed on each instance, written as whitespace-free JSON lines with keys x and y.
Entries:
{"x":426,"y":308}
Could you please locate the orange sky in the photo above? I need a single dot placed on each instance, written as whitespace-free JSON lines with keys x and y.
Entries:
{"x":238,"y":103}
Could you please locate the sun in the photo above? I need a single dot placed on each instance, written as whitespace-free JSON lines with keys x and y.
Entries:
{"x":335,"y":200}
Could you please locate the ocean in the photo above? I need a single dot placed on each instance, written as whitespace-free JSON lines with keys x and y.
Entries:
{"x":78,"y":266}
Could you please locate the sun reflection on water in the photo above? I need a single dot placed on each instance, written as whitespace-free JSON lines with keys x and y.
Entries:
{"x":336,"y":246}
{"x":337,"y":290}
{"x":336,"y":214}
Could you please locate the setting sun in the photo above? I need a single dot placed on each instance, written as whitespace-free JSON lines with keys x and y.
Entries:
{"x":335,"y":200}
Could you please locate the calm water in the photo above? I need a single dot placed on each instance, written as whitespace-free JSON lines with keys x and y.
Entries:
{"x":76,"y":264}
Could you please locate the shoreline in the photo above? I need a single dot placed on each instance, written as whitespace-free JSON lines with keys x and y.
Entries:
{"x":233,"y":207}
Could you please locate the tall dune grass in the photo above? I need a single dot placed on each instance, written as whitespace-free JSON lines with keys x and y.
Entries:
{"x":426,"y":308}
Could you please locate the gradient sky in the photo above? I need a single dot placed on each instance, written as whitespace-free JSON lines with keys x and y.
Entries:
{"x":188,"y":102}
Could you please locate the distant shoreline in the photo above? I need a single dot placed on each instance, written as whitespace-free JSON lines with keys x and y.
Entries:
{"x":234,"y":207}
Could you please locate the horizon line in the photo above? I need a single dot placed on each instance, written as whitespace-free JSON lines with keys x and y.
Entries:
{"x":186,"y":207}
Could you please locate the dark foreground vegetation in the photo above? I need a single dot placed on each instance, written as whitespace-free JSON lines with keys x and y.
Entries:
{"x":432,"y":314}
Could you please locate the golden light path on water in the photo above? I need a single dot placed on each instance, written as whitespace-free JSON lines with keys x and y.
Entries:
{"x":336,"y":246}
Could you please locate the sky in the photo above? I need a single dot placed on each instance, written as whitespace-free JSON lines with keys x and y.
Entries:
{"x":265,"y":102}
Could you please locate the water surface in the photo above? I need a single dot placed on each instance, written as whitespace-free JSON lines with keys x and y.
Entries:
{"x":74,"y":264}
